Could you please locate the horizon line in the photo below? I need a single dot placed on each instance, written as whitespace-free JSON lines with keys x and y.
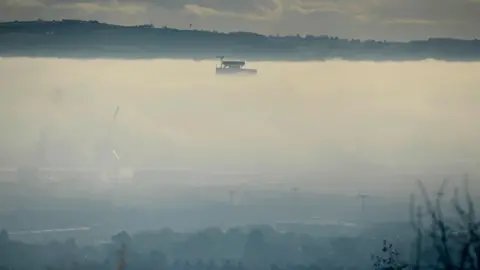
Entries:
{"x":303,"y":36}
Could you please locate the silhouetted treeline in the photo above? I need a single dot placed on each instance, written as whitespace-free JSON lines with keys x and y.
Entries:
{"x":436,"y":242}
{"x":72,"y":38}
{"x":435,"y":239}
{"x":210,"y":249}
{"x":237,"y":249}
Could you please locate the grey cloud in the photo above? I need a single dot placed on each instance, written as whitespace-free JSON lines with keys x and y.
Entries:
{"x":241,"y":6}
{"x":385,"y":19}
{"x":380,"y":19}
{"x":234,"y":6}
{"x":435,"y":11}
{"x":19,"y":12}
{"x":219,"y":5}
{"x":438,"y":11}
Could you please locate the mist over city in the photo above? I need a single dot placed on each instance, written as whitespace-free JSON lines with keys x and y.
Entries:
{"x":219,"y":135}
{"x":298,"y":142}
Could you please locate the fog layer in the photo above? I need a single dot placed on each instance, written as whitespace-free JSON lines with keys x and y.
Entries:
{"x":352,"y":119}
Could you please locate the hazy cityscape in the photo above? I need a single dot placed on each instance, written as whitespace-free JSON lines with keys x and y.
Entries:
{"x":235,"y":136}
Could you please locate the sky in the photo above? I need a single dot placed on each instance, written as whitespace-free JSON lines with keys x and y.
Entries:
{"x":364,"y":19}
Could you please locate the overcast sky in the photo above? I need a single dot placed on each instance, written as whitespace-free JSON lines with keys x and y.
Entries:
{"x":378,"y":19}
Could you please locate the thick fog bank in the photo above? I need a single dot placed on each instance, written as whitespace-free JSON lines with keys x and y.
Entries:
{"x":365,"y":124}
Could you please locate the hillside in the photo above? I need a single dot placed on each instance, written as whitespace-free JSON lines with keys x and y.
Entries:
{"x":92,"y":39}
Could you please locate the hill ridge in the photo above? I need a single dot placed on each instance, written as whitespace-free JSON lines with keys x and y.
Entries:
{"x":93,"y":39}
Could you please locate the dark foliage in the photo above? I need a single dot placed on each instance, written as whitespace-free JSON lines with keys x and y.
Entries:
{"x":446,"y":243}
{"x":441,"y":241}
